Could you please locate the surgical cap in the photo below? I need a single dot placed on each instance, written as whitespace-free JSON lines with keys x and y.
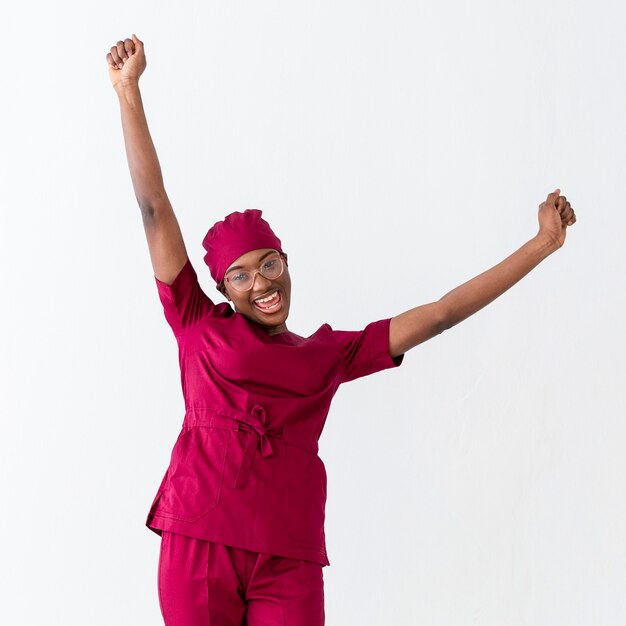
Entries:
{"x":235,"y":235}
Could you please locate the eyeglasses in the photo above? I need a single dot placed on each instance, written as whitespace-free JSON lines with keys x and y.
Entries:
{"x":243,"y":280}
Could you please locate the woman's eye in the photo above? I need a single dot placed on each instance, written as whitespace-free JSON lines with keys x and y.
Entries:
{"x":268,"y":264}
{"x":238,"y":277}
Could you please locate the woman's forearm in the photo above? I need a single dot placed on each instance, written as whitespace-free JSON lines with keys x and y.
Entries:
{"x":428,"y":320}
{"x":143,"y":162}
{"x":470,"y":297}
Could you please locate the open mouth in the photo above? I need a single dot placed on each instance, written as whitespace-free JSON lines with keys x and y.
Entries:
{"x":269,"y":304}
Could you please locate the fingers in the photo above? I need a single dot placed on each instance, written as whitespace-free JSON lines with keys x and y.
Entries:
{"x":116,"y":53}
{"x":114,"y":58}
{"x":121,"y":51}
{"x":556,"y":201}
{"x":129,"y":47}
{"x":568,"y":217}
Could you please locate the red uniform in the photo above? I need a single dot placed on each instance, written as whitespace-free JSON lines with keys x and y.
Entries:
{"x":244,"y":471}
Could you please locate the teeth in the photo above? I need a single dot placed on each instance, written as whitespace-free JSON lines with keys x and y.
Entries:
{"x":268,"y":299}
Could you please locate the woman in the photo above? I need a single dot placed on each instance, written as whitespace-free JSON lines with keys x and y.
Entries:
{"x":240,"y":509}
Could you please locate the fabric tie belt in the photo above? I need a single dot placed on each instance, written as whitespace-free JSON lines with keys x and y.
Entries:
{"x":259,"y":434}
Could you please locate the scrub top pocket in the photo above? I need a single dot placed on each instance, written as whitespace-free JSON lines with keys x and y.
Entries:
{"x":195,"y":474}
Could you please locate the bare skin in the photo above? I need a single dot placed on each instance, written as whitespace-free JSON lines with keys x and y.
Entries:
{"x":243,"y":301}
{"x":424,"y":322}
{"x":126,"y":62}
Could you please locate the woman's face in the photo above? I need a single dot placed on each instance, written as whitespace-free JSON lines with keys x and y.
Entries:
{"x":244,"y":301}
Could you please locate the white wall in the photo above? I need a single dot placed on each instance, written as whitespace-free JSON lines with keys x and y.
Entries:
{"x":398,"y":149}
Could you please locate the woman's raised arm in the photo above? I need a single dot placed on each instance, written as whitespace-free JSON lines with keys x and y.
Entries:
{"x":126,"y":61}
{"x":424,"y":322}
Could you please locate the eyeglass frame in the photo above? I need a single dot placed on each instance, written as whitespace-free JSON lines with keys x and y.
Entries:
{"x":282,"y":256}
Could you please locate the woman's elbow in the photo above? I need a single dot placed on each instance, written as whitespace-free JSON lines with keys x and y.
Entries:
{"x":443,"y":319}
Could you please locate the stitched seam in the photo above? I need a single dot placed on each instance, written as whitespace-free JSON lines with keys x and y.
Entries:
{"x":374,"y":342}
{"x":209,"y":547}
{"x":196,"y":323}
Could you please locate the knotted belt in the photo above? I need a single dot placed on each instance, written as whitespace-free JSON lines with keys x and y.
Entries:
{"x":258,"y":437}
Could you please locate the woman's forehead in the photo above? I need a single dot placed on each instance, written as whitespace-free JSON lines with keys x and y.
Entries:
{"x":252,"y":258}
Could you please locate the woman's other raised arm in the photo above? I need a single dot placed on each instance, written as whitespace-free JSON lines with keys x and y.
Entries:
{"x":424,"y":322}
{"x":126,"y":62}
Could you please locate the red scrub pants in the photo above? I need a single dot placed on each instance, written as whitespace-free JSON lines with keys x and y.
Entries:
{"x":202,"y":583}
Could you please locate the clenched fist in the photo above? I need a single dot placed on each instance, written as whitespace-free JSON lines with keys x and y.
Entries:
{"x":126,"y":61}
{"x":555,"y":215}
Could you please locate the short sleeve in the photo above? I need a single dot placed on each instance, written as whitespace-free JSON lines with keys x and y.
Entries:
{"x":184,"y":302}
{"x":366,"y":351}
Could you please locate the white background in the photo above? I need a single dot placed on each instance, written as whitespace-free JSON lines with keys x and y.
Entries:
{"x":397,"y":149}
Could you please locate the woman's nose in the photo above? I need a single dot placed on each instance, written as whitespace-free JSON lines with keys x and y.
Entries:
{"x":261,"y":281}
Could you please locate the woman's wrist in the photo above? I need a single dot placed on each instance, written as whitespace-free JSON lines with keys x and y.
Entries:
{"x":546,"y":243}
{"x":126,"y":85}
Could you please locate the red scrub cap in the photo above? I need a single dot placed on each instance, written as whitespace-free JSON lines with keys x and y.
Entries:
{"x":235,"y":235}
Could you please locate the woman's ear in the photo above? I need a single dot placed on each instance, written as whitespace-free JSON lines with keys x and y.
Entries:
{"x":222,"y":290}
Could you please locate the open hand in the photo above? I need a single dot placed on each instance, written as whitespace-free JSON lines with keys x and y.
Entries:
{"x":127,"y":61}
{"x":555,"y":215}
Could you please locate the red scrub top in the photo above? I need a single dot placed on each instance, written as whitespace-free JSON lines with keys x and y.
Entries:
{"x":245,"y":469}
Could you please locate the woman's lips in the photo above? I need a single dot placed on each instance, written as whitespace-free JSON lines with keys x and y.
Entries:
{"x":272,"y":306}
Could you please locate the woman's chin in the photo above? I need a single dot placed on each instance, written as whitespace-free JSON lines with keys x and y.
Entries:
{"x":272,"y":321}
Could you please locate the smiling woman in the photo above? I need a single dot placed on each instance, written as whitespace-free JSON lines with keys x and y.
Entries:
{"x":270,"y":389}
{"x":259,"y":286}
{"x":245,"y":258}
{"x":241,"y":506}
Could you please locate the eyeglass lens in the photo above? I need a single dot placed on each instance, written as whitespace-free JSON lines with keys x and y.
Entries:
{"x":242,"y":279}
